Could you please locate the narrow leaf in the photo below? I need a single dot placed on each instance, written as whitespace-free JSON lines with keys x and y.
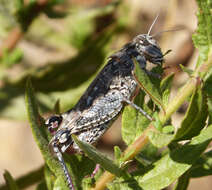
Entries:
{"x":166,"y":83}
{"x":39,"y":133}
{"x":98,"y":157}
{"x":147,"y":85}
{"x":165,"y":87}
{"x":174,"y":164}
{"x":11,"y":184}
{"x":195,"y":117}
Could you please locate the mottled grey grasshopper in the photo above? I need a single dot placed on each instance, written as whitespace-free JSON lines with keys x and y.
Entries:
{"x":104,"y":99}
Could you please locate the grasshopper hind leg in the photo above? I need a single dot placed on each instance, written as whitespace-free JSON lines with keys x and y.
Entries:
{"x":138,"y":108}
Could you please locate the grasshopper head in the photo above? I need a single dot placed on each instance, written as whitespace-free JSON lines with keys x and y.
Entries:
{"x":148,"y":47}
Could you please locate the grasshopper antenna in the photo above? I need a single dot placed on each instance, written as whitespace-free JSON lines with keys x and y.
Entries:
{"x":153,"y":23}
{"x":62,"y":163}
{"x":169,"y":30}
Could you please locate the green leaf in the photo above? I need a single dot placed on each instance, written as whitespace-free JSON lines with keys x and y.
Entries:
{"x":117,"y":155}
{"x":59,"y":184}
{"x":165,"y":97}
{"x":203,"y":166}
{"x":11,"y":184}
{"x":168,"y":129}
{"x":175,"y":163}
{"x":132,"y":127}
{"x":157,"y":123}
{"x":149,"y":85}
{"x":195,"y":116}
{"x":159,"y":139}
{"x":165,"y":87}
{"x":133,"y":122}
{"x":124,"y":184}
{"x":49,"y":178}
{"x":166,"y":83}
{"x":203,"y":37}
{"x":98,"y":157}
{"x":39,"y":133}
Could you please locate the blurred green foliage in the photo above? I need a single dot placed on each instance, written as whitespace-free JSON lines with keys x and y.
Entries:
{"x":86,"y":32}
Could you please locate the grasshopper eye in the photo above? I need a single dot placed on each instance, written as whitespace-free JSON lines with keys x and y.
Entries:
{"x":53,"y":123}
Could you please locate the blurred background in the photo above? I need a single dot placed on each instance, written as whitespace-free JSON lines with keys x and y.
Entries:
{"x":63,"y":45}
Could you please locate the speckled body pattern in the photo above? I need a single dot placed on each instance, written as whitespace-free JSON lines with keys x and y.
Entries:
{"x":102,"y":101}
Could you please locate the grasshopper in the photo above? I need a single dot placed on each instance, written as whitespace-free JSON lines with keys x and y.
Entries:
{"x":112,"y":89}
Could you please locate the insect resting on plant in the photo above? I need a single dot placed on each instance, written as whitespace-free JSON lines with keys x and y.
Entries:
{"x":104,"y":99}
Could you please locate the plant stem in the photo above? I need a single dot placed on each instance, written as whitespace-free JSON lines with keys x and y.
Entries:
{"x":173,"y":106}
